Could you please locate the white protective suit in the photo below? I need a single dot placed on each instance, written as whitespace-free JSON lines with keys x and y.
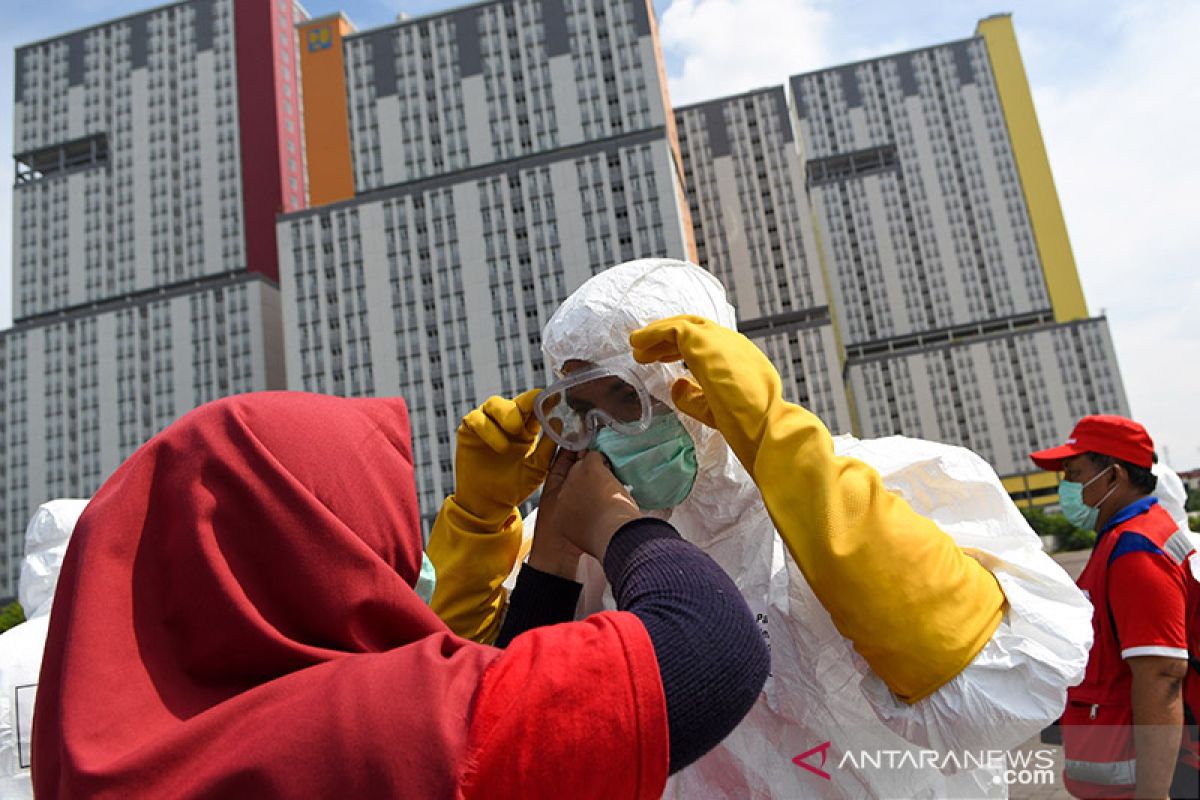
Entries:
{"x":821,"y":690}
{"x":1172,"y":494}
{"x":21,"y":646}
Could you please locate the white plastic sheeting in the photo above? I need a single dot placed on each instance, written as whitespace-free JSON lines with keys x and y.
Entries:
{"x":820,"y":690}
{"x":21,"y":647}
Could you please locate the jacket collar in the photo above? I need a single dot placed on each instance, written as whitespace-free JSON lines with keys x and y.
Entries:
{"x":1128,"y":512}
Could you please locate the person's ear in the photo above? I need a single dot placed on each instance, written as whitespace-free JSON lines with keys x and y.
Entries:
{"x":1120,"y":475}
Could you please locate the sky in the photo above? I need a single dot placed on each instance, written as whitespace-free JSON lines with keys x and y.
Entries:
{"x":1116,"y":90}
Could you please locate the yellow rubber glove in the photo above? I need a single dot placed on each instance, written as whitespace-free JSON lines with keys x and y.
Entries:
{"x":499,"y":461}
{"x":914,"y":605}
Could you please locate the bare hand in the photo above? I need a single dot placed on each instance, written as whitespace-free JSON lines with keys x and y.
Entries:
{"x":583,"y":504}
{"x":551,"y":552}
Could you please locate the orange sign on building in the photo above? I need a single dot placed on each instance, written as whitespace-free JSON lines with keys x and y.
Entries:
{"x":326,"y":132}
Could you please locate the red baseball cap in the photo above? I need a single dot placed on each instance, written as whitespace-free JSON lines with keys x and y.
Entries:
{"x":1104,"y":434}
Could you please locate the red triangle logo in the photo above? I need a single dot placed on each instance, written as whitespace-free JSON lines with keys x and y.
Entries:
{"x":800,"y":760}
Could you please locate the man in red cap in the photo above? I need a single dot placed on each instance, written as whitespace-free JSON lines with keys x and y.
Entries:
{"x":1122,"y":725}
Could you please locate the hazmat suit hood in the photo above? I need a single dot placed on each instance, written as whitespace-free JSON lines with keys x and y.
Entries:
{"x":45,"y":545}
{"x":21,"y":646}
{"x":594,"y":324}
{"x":1171,"y":494}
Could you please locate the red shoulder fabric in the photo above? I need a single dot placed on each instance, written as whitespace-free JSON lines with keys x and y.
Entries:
{"x":1148,"y":594}
{"x":526,"y":743}
{"x":235,"y":618}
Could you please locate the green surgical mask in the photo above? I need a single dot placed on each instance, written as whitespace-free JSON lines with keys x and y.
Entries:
{"x":658,"y":465}
{"x":426,"y":580}
{"x":1077,"y":512}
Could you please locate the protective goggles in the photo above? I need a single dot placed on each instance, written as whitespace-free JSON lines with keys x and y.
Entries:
{"x":572,"y":409}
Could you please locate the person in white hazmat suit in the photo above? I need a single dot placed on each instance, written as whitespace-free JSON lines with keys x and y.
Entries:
{"x":1171,"y":492}
{"x":21,"y":646}
{"x":827,"y":723}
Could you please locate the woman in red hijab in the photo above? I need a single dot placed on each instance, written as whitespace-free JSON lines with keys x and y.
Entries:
{"x":236,"y":618}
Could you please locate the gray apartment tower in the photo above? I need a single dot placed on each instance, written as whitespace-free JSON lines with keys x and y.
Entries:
{"x":753,"y":229}
{"x":898,"y":220}
{"x":501,"y":154}
{"x":959,"y":305}
{"x":153,"y":153}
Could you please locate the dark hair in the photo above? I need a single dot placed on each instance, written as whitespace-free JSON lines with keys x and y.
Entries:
{"x":1142,"y":479}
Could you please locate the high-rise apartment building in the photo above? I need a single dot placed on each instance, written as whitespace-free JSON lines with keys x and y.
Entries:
{"x":898,"y":218}
{"x":956,"y":296}
{"x":153,"y":153}
{"x":500,"y":155}
{"x":753,"y":229}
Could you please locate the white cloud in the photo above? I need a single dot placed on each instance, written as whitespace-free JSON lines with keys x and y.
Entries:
{"x":1122,"y":144}
{"x":731,"y":46}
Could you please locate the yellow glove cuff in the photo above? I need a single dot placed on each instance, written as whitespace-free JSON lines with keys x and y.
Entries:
{"x":472,"y":558}
{"x":915,"y":606}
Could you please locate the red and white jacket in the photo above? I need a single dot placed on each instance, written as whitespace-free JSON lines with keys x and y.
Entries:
{"x":1139,"y":582}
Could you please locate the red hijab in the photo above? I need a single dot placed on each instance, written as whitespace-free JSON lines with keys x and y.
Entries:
{"x":236,"y":618}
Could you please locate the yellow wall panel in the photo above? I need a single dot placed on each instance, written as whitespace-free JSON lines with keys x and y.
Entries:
{"x":1033,"y":167}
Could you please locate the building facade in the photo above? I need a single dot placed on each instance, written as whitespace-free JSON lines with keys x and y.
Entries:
{"x":890,"y":234}
{"x":993,"y":392}
{"x":957,"y":300}
{"x":501,"y":154}
{"x":153,"y":153}
{"x":83,"y":389}
{"x":499,"y":81}
{"x":753,"y":230}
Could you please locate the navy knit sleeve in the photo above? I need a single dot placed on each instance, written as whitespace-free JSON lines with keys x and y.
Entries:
{"x":537,"y":599}
{"x":711,"y":656}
